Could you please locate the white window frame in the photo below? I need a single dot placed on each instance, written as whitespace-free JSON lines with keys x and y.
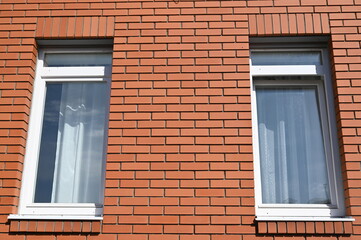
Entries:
{"x":27,"y":208}
{"x":336,"y":209}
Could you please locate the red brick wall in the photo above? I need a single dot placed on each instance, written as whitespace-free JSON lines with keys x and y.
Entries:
{"x":180,"y":164}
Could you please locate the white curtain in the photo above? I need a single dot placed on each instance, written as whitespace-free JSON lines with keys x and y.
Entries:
{"x":292,"y":155}
{"x":80,"y":144}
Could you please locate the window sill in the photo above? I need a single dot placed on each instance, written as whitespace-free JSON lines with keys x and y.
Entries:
{"x":306,"y":219}
{"x":304,"y":225}
{"x":53,"y":217}
{"x":57,"y":224}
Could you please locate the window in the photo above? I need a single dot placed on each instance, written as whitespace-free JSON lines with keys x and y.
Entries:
{"x":66,"y":146}
{"x":295,"y":142}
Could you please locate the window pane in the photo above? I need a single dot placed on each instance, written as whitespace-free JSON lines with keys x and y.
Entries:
{"x":72,"y":144}
{"x":292,"y":154}
{"x":77,"y":59}
{"x":286,"y":58}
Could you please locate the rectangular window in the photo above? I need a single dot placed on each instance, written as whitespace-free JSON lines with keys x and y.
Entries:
{"x":66,"y":146}
{"x":295,"y":142}
{"x":292,"y":153}
{"x":72,"y":143}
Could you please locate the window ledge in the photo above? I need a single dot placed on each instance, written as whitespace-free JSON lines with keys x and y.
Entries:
{"x":53,"y":217}
{"x":55,"y":224}
{"x":304,"y":225}
{"x":306,"y":219}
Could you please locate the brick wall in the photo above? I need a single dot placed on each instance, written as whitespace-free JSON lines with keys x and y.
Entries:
{"x":179,"y":164}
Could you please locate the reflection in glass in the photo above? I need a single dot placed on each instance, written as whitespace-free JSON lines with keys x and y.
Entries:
{"x":286,"y":58}
{"x":72,"y":143}
{"x":292,"y":153}
{"x":77,"y":59}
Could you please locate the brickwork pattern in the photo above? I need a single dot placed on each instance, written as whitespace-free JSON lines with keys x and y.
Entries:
{"x":46,"y":226}
{"x":180,"y":163}
{"x":300,"y":227}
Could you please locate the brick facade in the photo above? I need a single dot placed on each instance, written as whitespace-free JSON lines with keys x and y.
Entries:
{"x":180,"y":161}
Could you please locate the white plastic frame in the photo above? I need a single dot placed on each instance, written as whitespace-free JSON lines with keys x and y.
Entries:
{"x":328,"y":123}
{"x":44,"y":75}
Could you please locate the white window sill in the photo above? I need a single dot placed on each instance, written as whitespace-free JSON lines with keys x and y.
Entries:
{"x":53,"y":217}
{"x":306,"y":219}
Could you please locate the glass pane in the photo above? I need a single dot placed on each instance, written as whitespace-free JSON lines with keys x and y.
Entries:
{"x":77,"y":59}
{"x":286,"y":58}
{"x":292,"y":154}
{"x":72,"y":143}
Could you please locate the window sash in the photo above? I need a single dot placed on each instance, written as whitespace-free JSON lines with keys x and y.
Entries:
{"x":324,"y":125}
{"x":292,"y":142}
{"x":70,"y":155}
{"x":287,"y":69}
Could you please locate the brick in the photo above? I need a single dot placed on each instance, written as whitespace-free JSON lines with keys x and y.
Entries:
{"x":178,"y":229}
{"x":179,"y":210}
{"x":195,"y":237}
{"x":147,"y":229}
{"x":291,"y":227}
{"x":133,"y":220}
{"x":210,"y":210}
{"x":225,"y":220}
{"x":163,"y":237}
{"x":213,"y":229}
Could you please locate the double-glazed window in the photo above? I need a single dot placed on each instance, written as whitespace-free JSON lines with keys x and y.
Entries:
{"x":66,"y":145}
{"x":295,"y":141}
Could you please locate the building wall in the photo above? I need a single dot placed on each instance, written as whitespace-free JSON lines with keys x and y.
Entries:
{"x":180,"y":162}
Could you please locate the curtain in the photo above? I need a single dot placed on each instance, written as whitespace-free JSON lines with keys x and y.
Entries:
{"x":80,"y":144}
{"x":291,"y":145}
